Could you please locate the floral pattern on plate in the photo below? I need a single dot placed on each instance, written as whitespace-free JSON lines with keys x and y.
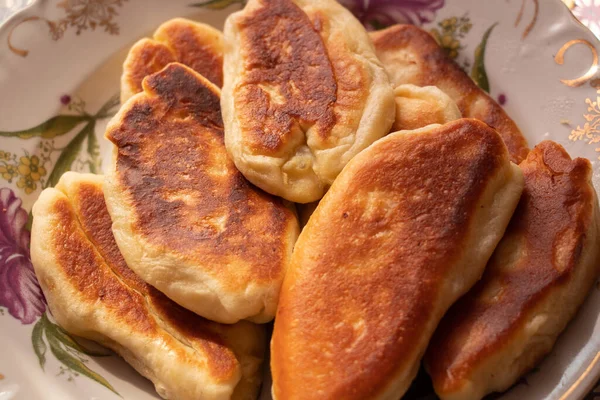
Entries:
{"x":20,"y":292}
{"x":79,"y":14}
{"x":377,"y":14}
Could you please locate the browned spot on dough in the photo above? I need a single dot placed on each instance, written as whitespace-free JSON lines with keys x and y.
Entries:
{"x":178,"y":40}
{"x":412,"y":56}
{"x":146,"y":58}
{"x":82,"y":265}
{"x":186,"y":192}
{"x":192,"y":50}
{"x":96,"y":223}
{"x":1,"y":377}
{"x":289,"y":83}
{"x":553,"y":216}
{"x":378,"y":250}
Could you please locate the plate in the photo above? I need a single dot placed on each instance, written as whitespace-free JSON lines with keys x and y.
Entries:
{"x":60,"y":64}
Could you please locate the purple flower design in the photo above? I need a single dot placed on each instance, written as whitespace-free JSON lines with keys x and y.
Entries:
{"x":378,"y":14}
{"x":588,"y":12}
{"x":20,"y":292}
{"x":65,"y":99}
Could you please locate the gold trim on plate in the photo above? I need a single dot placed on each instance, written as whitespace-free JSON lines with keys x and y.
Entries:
{"x":581,"y":377}
{"x":531,"y":24}
{"x":79,"y":14}
{"x":560,"y":58}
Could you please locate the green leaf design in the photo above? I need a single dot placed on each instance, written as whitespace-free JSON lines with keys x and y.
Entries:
{"x":52,"y":128}
{"x":92,"y":148}
{"x":68,"y":155}
{"x":107,"y":109}
{"x":217,"y":4}
{"x":29,"y":220}
{"x":377,"y":25}
{"x":75,"y":364}
{"x":37,"y":340}
{"x":478,"y":71}
{"x":67,"y":340}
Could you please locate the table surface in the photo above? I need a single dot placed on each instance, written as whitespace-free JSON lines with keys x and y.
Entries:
{"x":587,"y":11}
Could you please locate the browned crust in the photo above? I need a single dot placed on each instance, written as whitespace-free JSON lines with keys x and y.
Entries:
{"x":290,"y":84}
{"x":94,"y":266}
{"x":375,"y":253}
{"x":425,"y":63}
{"x":176,"y":41}
{"x":145,"y":58}
{"x":90,"y":208}
{"x":193,"y":49}
{"x":173,"y":164}
{"x":555,"y":212}
{"x":96,"y":223}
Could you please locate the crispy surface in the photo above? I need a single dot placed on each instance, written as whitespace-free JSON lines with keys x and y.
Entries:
{"x":92,"y":293}
{"x":194,"y":44}
{"x":537,"y":278}
{"x":417,"y":107}
{"x":384,"y":255}
{"x":209,"y":239}
{"x":411,"y":55}
{"x":303,"y":93}
{"x":301,"y":85}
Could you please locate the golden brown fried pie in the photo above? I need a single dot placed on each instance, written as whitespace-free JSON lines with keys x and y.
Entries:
{"x":185,"y":219}
{"x":536,"y":280}
{"x":303,"y":93}
{"x":411,"y":55}
{"x":406,"y":229}
{"x":93,"y":294}
{"x":417,"y":107}
{"x":194,"y":44}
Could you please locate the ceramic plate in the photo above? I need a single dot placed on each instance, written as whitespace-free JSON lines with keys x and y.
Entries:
{"x":60,"y":64}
